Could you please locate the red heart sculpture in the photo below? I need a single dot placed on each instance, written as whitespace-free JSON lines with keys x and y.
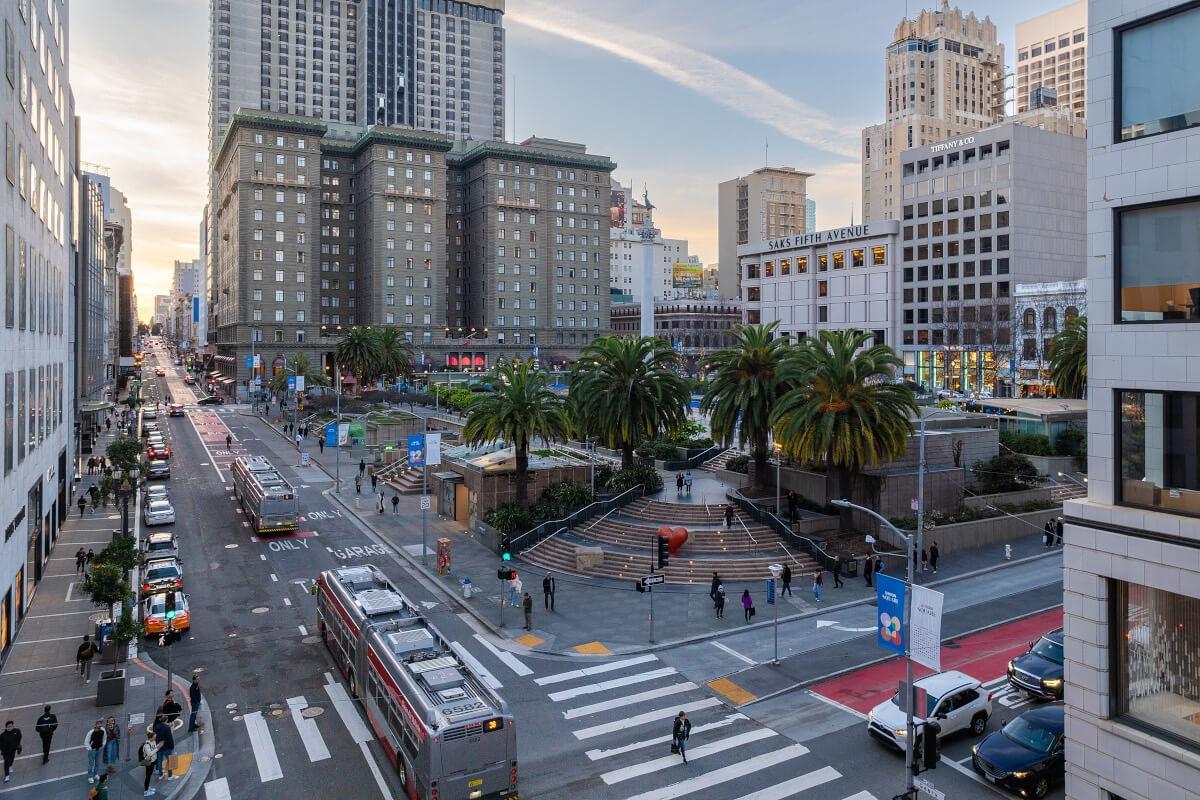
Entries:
{"x":676,"y":539}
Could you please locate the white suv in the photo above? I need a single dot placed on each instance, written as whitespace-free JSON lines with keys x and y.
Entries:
{"x":957,"y":701}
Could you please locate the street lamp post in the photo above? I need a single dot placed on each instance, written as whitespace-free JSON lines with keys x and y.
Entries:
{"x":778,"y":461}
{"x":909,"y":729}
{"x":776,"y":570}
{"x":124,"y":491}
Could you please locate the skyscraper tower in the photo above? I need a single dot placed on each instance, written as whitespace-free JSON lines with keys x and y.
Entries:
{"x":944,"y":77}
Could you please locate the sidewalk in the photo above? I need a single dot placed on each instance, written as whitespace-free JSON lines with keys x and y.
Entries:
{"x":597,"y":616}
{"x":40,"y":669}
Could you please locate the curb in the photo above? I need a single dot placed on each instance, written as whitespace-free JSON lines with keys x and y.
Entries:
{"x":202,"y":752}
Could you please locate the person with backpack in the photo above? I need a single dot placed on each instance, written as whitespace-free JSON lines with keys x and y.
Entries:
{"x":82,"y":505}
{"x":45,"y":726}
{"x":747,"y":604}
{"x":148,"y":758}
{"x":93,"y":743}
{"x":10,"y":745}
{"x":166,"y":746}
{"x":681,"y":729}
{"x":80,"y":560}
{"x":728,"y":515}
{"x":83,"y":657}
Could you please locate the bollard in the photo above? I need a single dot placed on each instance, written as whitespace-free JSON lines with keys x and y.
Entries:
{"x":1008,"y":552}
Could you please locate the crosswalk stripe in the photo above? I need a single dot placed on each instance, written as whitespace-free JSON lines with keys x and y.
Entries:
{"x":217,"y":789}
{"x":264,"y":749}
{"x":797,"y":785}
{"x":345,"y":709}
{"x":506,"y":658}
{"x":615,"y":683}
{"x":641,"y":719}
{"x":596,"y":755}
{"x":583,"y":673}
{"x":472,"y":662}
{"x":712,"y":748}
{"x":863,"y":795}
{"x":719,"y":776}
{"x":314,"y":745}
{"x":608,"y":705}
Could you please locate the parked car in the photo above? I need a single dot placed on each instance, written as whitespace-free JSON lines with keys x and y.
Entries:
{"x":1026,"y":755}
{"x":1040,"y":671}
{"x":189,"y":380}
{"x":158,"y":512}
{"x":156,"y":491}
{"x":161,"y":544}
{"x":159,"y":470}
{"x":150,"y":412}
{"x":158,"y":451}
{"x":160,"y":574}
{"x":211,"y":400}
{"x":154,"y":613}
{"x":957,"y":701}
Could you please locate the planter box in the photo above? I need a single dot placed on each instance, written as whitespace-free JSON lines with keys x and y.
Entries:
{"x":1007,"y":498}
{"x":1052,"y":465}
{"x":737,"y":479}
{"x":110,"y":688}
{"x":981,"y":532}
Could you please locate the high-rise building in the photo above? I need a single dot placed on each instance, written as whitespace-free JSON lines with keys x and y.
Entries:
{"x":677,"y":273}
{"x":1131,"y":561}
{"x":185,"y":303}
{"x":435,"y":65}
{"x":769,"y":203}
{"x":162,"y":310}
{"x":944,"y":77}
{"x":95,"y":302}
{"x":41,"y":276}
{"x":810,"y":214}
{"x":1052,"y":59}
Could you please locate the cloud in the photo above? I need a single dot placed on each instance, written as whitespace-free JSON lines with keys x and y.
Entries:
{"x":711,"y":77}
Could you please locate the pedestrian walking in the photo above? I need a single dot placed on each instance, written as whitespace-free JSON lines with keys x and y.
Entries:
{"x":879,"y":566}
{"x":108,"y":423}
{"x":786,"y":577}
{"x":299,"y":441}
{"x":747,"y":604}
{"x":82,"y":505}
{"x":687,"y":481}
{"x":728,"y":515}
{"x":112,"y":743}
{"x":380,"y":502}
{"x":374,"y":481}
{"x":1048,"y":533}
{"x":358,"y":484}
{"x":321,"y":443}
{"x":194,"y":702}
{"x":712,"y":587}
{"x":793,"y":502}
{"x":93,"y":743}
{"x":45,"y":726}
{"x":362,"y":466}
{"x":679,"y":483}
{"x":228,"y":441}
{"x":924,"y":560}
{"x":170,"y":707}
{"x":818,"y":584}
{"x":933,"y":557}
{"x":80,"y":560}
{"x":10,"y":745}
{"x":89,"y":558}
{"x":1058,"y":531}
{"x":868,"y":569}
{"x":100,"y":790}
{"x":91,"y":470}
{"x":548,"y":587}
{"x":681,"y":729}
{"x":719,"y":603}
{"x":527,"y":607}
{"x":148,"y":758}
{"x":837,"y":573}
{"x":395,"y":504}
{"x":83,"y":657}
{"x":166,"y":742}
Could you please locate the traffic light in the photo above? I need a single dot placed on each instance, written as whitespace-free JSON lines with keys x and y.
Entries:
{"x":663,"y":551}
{"x":505,"y":549}
{"x":170,"y":604}
{"x":505,"y":574}
{"x":929,"y":745}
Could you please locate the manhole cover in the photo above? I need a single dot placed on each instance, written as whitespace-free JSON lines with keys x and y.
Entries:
{"x":277,"y":712}
{"x":259,"y":610}
{"x":238,"y":718}
{"x":231,"y":705}
{"x":230,"y":546}
{"x":310,"y":639}
{"x":312,"y":711}
{"x":219,"y":755}
{"x":232,"y":635}
{"x":275,"y":705}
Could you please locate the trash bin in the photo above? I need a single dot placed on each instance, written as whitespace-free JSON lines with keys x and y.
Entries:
{"x":849,"y":567}
{"x":466,"y":586}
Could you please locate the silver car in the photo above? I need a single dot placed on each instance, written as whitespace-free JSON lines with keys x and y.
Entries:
{"x":157,"y":491}
{"x":161,"y":544}
{"x":159,"y":512}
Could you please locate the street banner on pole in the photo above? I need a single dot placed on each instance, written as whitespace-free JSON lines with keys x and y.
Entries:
{"x":433,"y":449}
{"x":416,"y":450}
{"x":925,"y":627}
{"x":889,"y":598}
{"x":299,"y":383}
{"x":343,"y":433}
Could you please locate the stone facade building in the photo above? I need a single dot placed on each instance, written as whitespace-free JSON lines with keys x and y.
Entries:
{"x":1040,"y":310}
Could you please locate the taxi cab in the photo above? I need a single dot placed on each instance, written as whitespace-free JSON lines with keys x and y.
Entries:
{"x":154,"y":613}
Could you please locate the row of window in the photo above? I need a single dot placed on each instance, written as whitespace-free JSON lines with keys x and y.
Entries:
{"x":33,"y":288}
{"x":952,"y":205}
{"x":856,"y":257}
{"x":968,"y":291}
{"x":33,"y":410}
{"x":951,"y":271}
{"x":965,"y":179}
{"x":957,"y":247}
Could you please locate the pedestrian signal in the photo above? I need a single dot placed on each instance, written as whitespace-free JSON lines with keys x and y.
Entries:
{"x":663,"y":551}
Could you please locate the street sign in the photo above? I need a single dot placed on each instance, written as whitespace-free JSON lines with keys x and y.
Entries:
{"x":653,"y":580}
{"x":928,"y":788}
{"x":771,"y":592}
{"x":249,"y":362}
{"x":426,"y":502}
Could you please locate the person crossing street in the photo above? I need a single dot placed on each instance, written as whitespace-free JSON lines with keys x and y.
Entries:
{"x":681,"y":729}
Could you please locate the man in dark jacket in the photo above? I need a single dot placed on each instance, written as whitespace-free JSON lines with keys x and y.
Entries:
{"x":170,"y":707}
{"x":527,"y":607}
{"x":194,"y":701}
{"x":933,"y":557}
{"x":793,"y":502}
{"x":868,"y":569}
{"x":164,"y":736}
{"x":681,"y":729}
{"x":548,"y":587}
{"x":786,"y":577}
{"x":10,"y":745}
{"x":712,"y":589}
{"x":45,"y":726}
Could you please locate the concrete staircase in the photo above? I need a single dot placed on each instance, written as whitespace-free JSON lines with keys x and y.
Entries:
{"x":719,"y":460}
{"x":1067,"y":491}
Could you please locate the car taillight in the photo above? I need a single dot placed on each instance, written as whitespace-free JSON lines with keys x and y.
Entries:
{"x":990,"y":695}
{"x":514,"y":772}
{"x":145,"y":587}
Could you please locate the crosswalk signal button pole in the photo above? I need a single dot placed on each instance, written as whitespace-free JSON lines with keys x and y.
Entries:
{"x":929,"y":745}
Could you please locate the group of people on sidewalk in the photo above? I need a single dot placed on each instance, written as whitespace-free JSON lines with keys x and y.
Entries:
{"x":683,"y":482}
{"x":716,"y":589}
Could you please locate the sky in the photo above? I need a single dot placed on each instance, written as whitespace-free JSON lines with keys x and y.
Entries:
{"x":681,"y":94}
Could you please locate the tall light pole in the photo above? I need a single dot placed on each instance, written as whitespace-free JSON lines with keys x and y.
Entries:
{"x":776,"y":571}
{"x":778,"y":460}
{"x":909,"y":729}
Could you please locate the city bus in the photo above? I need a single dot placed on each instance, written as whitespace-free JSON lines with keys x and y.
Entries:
{"x":447,"y":734}
{"x":267,"y":500}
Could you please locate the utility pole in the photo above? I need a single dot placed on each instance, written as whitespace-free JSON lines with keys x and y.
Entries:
{"x":337,"y":428}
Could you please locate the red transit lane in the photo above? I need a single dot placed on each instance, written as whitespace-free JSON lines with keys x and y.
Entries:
{"x":984,"y":656}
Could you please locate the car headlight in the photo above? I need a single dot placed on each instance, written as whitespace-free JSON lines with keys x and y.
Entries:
{"x":1052,"y":683}
{"x":1010,"y":665}
{"x":1022,"y":775}
{"x":974,"y":749}
{"x":901,"y":732}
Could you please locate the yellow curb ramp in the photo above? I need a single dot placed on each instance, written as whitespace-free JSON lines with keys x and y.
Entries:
{"x":731,"y":691}
{"x":529,"y":640}
{"x":592,"y":649}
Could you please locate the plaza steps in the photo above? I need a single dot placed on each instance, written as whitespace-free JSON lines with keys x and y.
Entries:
{"x":720,"y":460}
{"x":404,"y":481}
{"x":689,"y":515}
{"x":1067,"y":491}
{"x":622,"y":533}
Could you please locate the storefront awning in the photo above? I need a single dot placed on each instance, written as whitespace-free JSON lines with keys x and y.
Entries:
{"x":227,"y":380}
{"x":94,"y":406}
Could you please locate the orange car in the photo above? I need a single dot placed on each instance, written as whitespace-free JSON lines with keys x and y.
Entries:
{"x":154,"y":613}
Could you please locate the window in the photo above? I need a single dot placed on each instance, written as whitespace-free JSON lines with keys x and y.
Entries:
{"x":1159,"y":444}
{"x":1156,"y":272}
{"x":1156,"y":66}
{"x":1154,"y":675}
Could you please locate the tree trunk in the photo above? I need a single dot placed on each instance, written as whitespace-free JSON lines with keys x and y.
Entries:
{"x":626,"y":455}
{"x":522,"y":477}
{"x":760,"y":469}
{"x":844,"y":480}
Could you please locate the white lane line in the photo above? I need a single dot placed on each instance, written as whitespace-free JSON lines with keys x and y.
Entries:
{"x":863,"y":795}
{"x":52,"y":752}
{"x":314,"y":745}
{"x":595,"y":755}
{"x":274,"y":578}
{"x":264,"y":749}
{"x":383,"y":789}
{"x":39,"y":783}
{"x":40,"y":641}
{"x":660,"y":715}
{"x":583,"y":673}
{"x":70,"y":588}
{"x":508,"y":659}
{"x":51,"y":702}
{"x":303,"y":630}
{"x":734,"y":653}
{"x":474,"y":664}
{"x":63,"y":614}
{"x":694,"y":753}
{"x":217,"y":790}
{"x":722,"y":775}
{"x":837,"y":705}
{"x":344,"y":706}
{"x":262,"y":556}
{"x":38,"y":669}
{"x":607,"y":705}
{"x":287,"y":602}
{"x":800,"y":784}
{"x":615,"y":683}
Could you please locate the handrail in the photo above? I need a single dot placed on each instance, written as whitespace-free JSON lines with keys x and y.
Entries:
{"x":575,"y":516}
{"x":784,"y":530}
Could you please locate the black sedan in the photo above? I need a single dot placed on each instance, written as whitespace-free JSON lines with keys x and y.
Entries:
{"x":211,"y":400}
{"x":1026,"y":755}
{"x":1040,"y":671}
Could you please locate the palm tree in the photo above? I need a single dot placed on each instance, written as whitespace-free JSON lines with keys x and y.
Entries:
{"x":358,"y":352}
{"x":629,"y":390}
{"x":844,"y":408}
{"x":522,"y":408}
{"x":395,"y":354}
{"x":746,"y":384}
{"x":298,"y":364}
{"x":1068,"y":359}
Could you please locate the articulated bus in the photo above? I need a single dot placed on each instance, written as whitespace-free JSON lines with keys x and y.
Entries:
{"x":268,"y":501}
{"x":448,"y":735}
